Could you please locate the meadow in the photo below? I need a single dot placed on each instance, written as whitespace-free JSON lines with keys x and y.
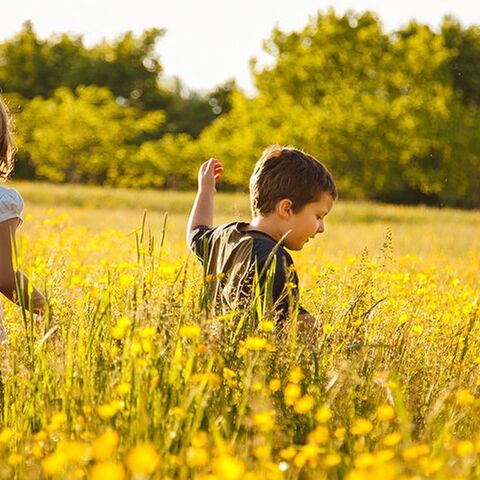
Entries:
{"x":122,"y":377}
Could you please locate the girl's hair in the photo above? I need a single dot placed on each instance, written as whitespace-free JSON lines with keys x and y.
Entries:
{"x":7,"y":149}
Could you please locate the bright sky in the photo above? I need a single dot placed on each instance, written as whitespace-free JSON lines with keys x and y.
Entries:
{"x":209,"y":41}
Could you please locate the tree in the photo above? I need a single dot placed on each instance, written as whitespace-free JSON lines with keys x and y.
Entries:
{"x":190,"y":112}
{"x":381,"y":111}
{"x":129,"y":66}
{"x":464,"y":62}
{"x":86,"y":137}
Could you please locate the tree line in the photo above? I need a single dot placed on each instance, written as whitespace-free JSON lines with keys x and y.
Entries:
{"x":394,"y":115}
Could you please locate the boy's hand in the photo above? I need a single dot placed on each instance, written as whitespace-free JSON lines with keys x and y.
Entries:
{"x":209,"y":174}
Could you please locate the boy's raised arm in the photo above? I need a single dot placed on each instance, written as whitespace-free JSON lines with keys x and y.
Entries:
{"x":202,"y":210}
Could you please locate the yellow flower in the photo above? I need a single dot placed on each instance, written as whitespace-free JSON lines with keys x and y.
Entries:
{"x":211,"y":378}
{"x":464,"y":397}
{"x":227,"y":467}
{"x":262,"y":452}
{"x":106,"y":411}
{"x":228,"y":373}
{"x":319,"y":436}
{"x":120,"y":329}
{"x":197,"y":457}
{"x":123,"y":389}
{"x":266,"y":326}
{"x":291,"y":393}
{"x":124,"y":322}
{"x":274,"y":384}
{"x":177,"y":412}
{"x":327,"y":328}
{"x":147,"y":345}
{"x":392,"y":439}
{"x":190,"y":331}
{"x":107,"y":471}
{"x":296,"y":375}
{"x":304,"y":404}
{"x":54,"y":463}
{"x":308,"y":452}
{"x":415,"y":451}
{"x":41,"y":436}
{"x":323,"y":415}
{"x":385,"y":413}
{"x":339,"y":433}
{"x":37,"y":450}
{"x":136,"y":347}
{"x":105,"y":445}
{"x":14,"y":459}
{"x":331,"y":460}
{"x":383,"y":456}
{"x":364,"y":460}
{"x":118,"y":333}
{"x":288,"y":453}
{"x":361,"y":426}
{"x":143,"y":459}
{"x":430,"y":465}
{"x":299,"y":460}
{"x":57,"y":421}
{"x":5,"y":435}
{"x":477,"y":442}
{"x":464,"y":448}
{"x":200,"y":439}
{"x":264,"y":421}
{"x":257,"y":386}
{"x":148,"y":332}
{"x":417,"y":329}
{"x":74,"y":450}
{"x":255,"y":343}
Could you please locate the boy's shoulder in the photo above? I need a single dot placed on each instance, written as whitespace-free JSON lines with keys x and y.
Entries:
{"x":234,"y":235}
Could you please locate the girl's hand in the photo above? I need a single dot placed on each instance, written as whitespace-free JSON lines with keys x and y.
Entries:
{"x":209,"y":174}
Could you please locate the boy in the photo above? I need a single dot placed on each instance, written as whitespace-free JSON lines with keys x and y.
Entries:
{"x":290,"y":194}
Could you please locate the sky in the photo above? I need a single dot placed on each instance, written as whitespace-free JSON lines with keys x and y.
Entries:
{"x":210,"y":41}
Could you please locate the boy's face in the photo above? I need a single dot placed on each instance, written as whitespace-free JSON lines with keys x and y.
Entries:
{"x":307,"y":222}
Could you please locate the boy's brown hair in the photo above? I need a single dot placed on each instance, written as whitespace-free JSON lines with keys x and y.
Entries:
{"x":286,"y":172}
{"x":7,"y":150}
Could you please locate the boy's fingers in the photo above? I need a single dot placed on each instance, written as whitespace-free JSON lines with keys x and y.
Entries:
{"x":205,"y":165}
{"x":208,"y":166}
{"x":214,"y":163}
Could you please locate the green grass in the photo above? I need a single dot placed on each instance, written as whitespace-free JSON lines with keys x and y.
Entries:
{"x":400,"y":324}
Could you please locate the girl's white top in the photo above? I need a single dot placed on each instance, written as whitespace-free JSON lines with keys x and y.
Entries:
{"x":11,"y":206}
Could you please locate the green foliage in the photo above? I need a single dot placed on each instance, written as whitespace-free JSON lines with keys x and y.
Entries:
{"x":190,"y":112}
{"x":395,"y":117}
{"x":86,"y":137}
{"x":382,"y":112}
{"x":129,"y":66}
{"x":464,"y":63}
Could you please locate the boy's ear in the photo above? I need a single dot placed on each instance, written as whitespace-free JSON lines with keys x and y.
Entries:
{"x":284,"y":208}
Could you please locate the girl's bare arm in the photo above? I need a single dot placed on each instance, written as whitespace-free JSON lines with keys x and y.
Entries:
{"x":9,"y":277}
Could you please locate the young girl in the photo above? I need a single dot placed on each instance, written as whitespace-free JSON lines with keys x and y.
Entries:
{"x":11,"y":206}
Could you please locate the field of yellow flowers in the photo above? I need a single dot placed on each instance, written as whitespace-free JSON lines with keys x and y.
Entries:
{"x":122,"y":378}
